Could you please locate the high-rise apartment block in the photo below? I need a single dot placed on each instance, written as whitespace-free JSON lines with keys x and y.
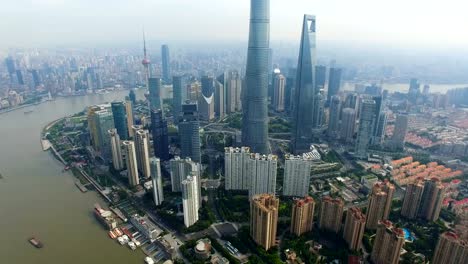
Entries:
{"x":331,"y":214}
{"x":302,"y":217}
{"x":412,"y":200}
{"x":235,"y":166}
{"x":264,"y":219}
{"x":142,"y":152}
{"x":450,"y":249}
{"x":262,"y":170}
{"x":297,"y":175}
{"x":180,"y":169}
{"x":131,"y":162}
{"x":380,"y":202}
{"x":190,"y":199}
{"x":431,"y":200}
{"x":233,"y":85}
{"x":116,"y":149}
{"x":387,"y":244}
{"x":156,"y":179}
{"x":354,"y":227}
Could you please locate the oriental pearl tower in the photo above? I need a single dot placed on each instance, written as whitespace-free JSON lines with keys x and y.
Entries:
{"x":146,"y":62}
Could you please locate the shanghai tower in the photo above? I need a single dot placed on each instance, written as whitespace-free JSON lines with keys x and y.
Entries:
{"x":255,"y":109}
{"x":307,"y":96}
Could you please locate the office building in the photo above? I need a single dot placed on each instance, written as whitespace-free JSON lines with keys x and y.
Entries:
{"x":180,"y":169}
{"x":320,"y":77}
{"x":262,"y":170}
{"x":279,"y":82}
{"x":354,"y":227}
{"x":154,"y":96}
{"x":399,"y":133}
{"x":264,"y":219}
{"x":142,"y":152}
{"x":129,"y":115}
{"x":334,"y":83}
{"x":206,"y":100}
{"x":219,"y":100}
{"x":131,"y":162}
{"x":331,"y":214}
{"x":116,"y":149}
{"x":334,"y":120}
{"x":254,"y":105}
{"x":101,"y":122}
{"x":307,"y":103}
{"x":189,"y":132}
{"x":166,"y":63}
{"x":450,"y":249}
{"x":160,"y":135}
{"x":380,"y":128}
{"x":380,"y":202}
{"x":348,"y":124}
{"x":387,"y":244}
{"x":302,"y":218}
{"x":179,"y":91}
{"x":235,"y":166}
{"x":190,"y":200}
{"x":297,"y":175}
{"x":120,"y":119}
{"x":233,"y":85}
{"x":156,"y":179}
{"x":414,"y":91}
{"x":431,"y":200}
{"x":412,"y":200}
{"x":367,"y":122}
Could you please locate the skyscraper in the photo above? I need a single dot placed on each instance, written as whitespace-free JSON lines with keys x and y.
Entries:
{"x":320,"y":77}
{"x":156,"y":178}
{"x":131,"y":162}
{"x":296,"y":175}
{"x":367,"y":122}
{"x":450,"y":249}
{"x":255,"y":108}
{"x":235,"y":166}
{"x":399,"y":133}
{"x":180,"y":169}
{"x":302,"y":218}
{"x":331,"y":214}
{"x":116,"y":149}
{"x":233,"y":85}
{"x":206,"y":104}
{"x":348,"y":124}
{"x":120,"y":119}
{"x":166,"y":63}
{"x":104,"y":122}
{"x":334,"y":83}
{"x":414,"y":90}
{"x":190,"y":200}
{"x":189,"y":132}
{"x":179,"y":88}
{"x":142,"y":152}
{"x":334,"y":120}
{"x":387,"y":244}
{"x":219,"y":100}
{"x":279,"y":82}
{"x":379,"y":205}
{"x":129,"y":115}
{"x":353,"y":231}
{"x":154,"y":97}
{"x":264,"y":219}
{"x":412,"y":200}
{"x":307,"y":97}
{"x":160,"y":135}
{"x":263,"y":171}
{"x":431,"y":200}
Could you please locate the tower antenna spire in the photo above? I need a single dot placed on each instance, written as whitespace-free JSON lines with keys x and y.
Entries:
{"x":146,"y":62}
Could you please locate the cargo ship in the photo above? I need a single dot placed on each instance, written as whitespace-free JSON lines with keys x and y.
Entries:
{"x":35,"y":242}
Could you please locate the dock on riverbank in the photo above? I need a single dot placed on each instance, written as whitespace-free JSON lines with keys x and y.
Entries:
{"x":80,"y":186}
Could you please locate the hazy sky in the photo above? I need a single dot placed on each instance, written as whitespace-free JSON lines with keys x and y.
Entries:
{"x":427,"y":23}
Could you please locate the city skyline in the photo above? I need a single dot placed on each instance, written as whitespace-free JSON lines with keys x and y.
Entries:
{"x":86,"y":19}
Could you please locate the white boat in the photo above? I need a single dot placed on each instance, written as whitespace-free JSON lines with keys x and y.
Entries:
{"x":132,"y":245}
{"x":149,"y":260}
{"x":121,"y":240}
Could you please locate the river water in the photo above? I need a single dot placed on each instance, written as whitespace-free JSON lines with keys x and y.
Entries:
{"x":36,"y":198}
